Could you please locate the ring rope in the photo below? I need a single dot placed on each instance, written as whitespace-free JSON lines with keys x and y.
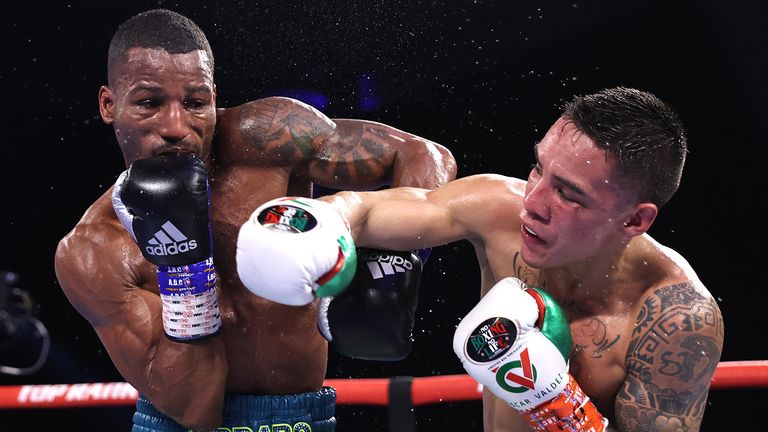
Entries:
{"x":361,"y":391}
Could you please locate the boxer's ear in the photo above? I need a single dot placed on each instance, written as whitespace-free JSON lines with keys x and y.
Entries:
{"x":641,"y":219}
{"x":106,"y":104}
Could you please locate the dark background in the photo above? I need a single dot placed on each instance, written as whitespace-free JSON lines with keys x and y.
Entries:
{"x":484,"y":78}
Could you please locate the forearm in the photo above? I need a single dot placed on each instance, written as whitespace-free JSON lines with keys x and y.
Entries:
{"x":411,"y":160}
{"x":186,"y":381}
{"x":194,"y":397}
{"x":398,"y":219}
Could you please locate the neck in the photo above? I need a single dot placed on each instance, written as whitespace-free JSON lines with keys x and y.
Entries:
{"x":591,"y":284}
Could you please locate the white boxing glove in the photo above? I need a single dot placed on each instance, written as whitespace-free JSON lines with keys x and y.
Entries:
{"x":292,"y":249}
{"x":516,"y":342}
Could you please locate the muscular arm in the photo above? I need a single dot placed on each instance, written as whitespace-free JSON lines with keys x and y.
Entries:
{"x":408,"y":218}
{"x":341,"y":153}
{"x":365,"y":148}
{"x":185,"y":381}
{"x":675,"y":348}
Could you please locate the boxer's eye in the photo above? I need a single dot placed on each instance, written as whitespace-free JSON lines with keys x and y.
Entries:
{"x":148,"y":103}
{"x":565,"y":196}
{"x":195,"y":103}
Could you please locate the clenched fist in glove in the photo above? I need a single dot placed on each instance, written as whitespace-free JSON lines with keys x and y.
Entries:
{"x":292,"y":250}
{"x":516,"y":342}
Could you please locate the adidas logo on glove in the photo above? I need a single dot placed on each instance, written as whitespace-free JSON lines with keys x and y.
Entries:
{"x":382,"y":264}
{"x":169,"y":241}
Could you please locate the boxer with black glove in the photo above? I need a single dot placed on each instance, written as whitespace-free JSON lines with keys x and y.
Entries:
{"x":163,"y":204}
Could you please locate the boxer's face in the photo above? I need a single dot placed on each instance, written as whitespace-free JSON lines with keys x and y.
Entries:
{"x":573,"y":206}
{"x":160,"y":103}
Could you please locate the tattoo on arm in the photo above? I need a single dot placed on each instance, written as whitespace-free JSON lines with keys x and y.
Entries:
{"x":359,"y":150}
{"x":283,"y":130}
{"x":675,"y":348}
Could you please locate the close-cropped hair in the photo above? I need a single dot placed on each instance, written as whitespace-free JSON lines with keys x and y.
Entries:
{"x":160,"y":29}
{"x":643,"y":135}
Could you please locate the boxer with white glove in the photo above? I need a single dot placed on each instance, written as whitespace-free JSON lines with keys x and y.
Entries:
{"x":516,"y":342}
{"x":291,"y":250}
{"x":163,"y":204}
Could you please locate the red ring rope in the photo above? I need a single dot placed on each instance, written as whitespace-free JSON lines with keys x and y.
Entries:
{"x":365,"y":391}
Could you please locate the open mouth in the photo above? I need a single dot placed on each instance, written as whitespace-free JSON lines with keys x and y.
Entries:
{"x":529,"y":233}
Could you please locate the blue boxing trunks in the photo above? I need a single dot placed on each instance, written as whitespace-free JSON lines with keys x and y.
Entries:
{"x":305,"y":412}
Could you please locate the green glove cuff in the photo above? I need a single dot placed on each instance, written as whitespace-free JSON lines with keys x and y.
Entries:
{"x":341,"y":275}
{"x":552,"y":321}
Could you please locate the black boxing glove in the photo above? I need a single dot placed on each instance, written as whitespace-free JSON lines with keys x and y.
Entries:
{"x":163,"y":204}
{"x":374,"y":317}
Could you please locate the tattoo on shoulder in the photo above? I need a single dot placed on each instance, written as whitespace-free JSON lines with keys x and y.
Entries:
{"x":674,"y":350}
{"x":280,"y":129}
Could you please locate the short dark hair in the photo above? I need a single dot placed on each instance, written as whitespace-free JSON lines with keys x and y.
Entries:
{"x":156,"y":28}
{"x":644,"y":135}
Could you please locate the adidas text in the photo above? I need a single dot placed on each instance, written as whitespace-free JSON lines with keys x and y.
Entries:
{"x":394,"y":260}
{"x":172,"y":249}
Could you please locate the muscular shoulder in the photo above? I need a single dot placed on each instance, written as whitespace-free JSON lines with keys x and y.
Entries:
{"x":85,"y":239}
{"x":276,"y":129}
{"x":490,"y":189}
{"x":673,"y":352}
{"x":676,"y":311}
{"x":92,"y":261}
{"x":676,"y":339}
{"x":487,"y":202}
{"x":678,"y":315}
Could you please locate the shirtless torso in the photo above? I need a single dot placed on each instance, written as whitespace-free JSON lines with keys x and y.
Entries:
{"x":261,"y":150}
{"x":646,"y":333}
{"x":616,"y":325}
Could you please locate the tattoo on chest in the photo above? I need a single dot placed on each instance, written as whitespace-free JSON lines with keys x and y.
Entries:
{"x":592,"y":335}
{"x":525,"y":273}
{"x":674,"y":351}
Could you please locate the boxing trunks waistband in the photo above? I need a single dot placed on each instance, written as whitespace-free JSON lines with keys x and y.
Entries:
{"x":304,"y":412}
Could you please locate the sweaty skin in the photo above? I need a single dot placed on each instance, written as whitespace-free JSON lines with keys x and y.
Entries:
{"x":160,"y":103}
{"x":647,"y":335}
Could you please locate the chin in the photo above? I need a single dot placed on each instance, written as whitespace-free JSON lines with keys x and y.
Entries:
{"x":532,"y":260}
